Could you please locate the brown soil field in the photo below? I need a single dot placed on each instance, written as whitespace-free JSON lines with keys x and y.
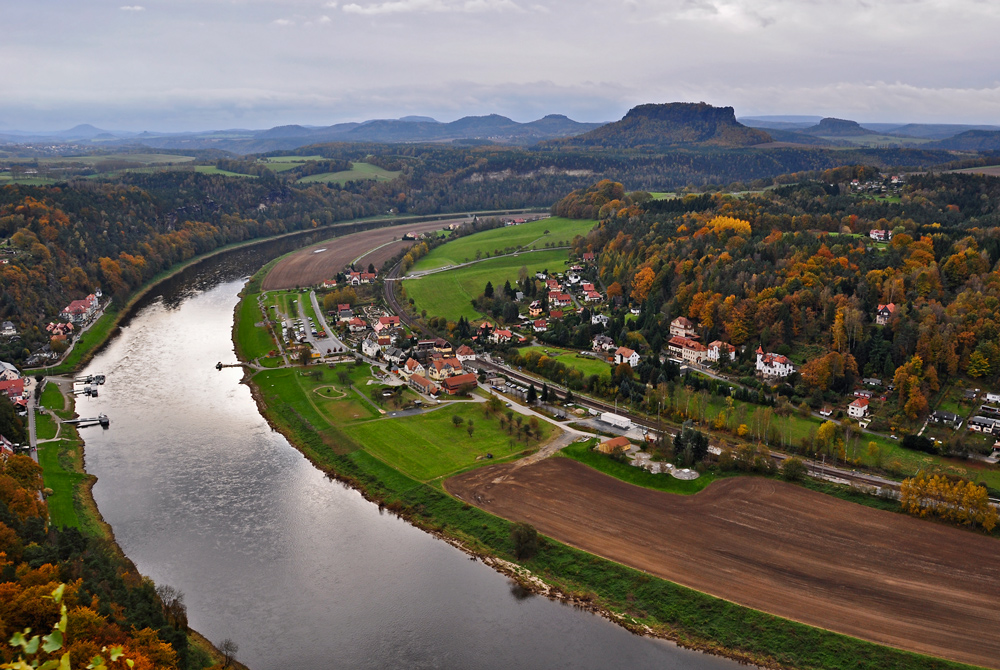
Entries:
{"x":775,"y":547}
{"x":306,"y":268}
{"x":988,"y":170}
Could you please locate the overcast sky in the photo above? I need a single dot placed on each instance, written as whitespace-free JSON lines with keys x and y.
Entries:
{"x":208,"y":64}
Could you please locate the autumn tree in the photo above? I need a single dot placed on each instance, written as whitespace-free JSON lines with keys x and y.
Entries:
{"x":642,"y":283}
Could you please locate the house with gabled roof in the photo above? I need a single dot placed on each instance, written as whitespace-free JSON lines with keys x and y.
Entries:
{"x":683,"y":327}
{"x":626,"y":355}
{"x":884,"y":313}
{"x":773,"y":365}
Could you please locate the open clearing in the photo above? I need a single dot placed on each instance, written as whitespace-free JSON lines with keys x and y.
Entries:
{"x":775,"y":547}
{"x":530,"y":235}
{"x":988,"y":170}
{"x":305,"y":268}
{"x":358,"y":172}
{"x":450,"y":293}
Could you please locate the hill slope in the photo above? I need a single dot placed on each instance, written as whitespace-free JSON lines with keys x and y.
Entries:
{"x":672,"y":124}
{"x":970,"y":140}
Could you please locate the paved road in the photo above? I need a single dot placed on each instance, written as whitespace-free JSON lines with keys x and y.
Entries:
{"x":333,"y":342}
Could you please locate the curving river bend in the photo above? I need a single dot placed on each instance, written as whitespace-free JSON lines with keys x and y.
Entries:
{"x":299,"y":570}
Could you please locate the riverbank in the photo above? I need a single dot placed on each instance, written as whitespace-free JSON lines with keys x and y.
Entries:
{"x":631,"y":598}
{"x":69,"y":496}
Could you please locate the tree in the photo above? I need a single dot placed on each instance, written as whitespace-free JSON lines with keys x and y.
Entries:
{"x":469,"y":427}
{"x":545,"y":392}
{"x":304,"y":355}
{"x":525,"y":539}
{"x":793,"y":469}
{"x":488,"y":292}
{"x":456,"y":420}
{"x":532,"y":396}
{"x":229,"y":650}
{"x":534,"y":426}
{"x":642,"y":283}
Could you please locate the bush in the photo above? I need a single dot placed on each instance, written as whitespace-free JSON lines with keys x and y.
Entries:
{"x":919,"y":443}
{"x":793,"y":469}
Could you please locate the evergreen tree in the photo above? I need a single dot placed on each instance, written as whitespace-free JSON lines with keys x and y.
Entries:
{"x":488,"y":292}
{"x":532,"y":396}
{"x":545,"y":392}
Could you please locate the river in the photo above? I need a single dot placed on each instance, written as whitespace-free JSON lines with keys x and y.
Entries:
{"x":299,"y":570}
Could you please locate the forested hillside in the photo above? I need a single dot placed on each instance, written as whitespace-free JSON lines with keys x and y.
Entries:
{"x":793,"y":270}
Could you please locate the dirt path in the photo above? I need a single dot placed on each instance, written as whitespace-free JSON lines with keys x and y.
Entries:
{"x":775,"y":547}
{"x":308,"y":268}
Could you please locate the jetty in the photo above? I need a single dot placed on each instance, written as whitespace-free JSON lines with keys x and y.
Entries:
{"x":101,"y":420}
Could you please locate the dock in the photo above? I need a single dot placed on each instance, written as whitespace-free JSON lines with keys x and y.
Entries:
{"x":101,"y":420}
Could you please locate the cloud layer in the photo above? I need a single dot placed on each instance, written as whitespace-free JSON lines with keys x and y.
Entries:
{"x":194,"y":64}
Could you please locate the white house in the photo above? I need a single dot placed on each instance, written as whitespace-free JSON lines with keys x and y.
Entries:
{"x":8,"y":372}
{"x":601,"y":319}
{"x":603,"y":343}
{"x":465,"y":353}
{"x":858,"y":408}
{"x":500,"y":336}
{"x":540,"y":326}
{"x":773,"y":365}
{"x":369,"y":346}
{"x":719,"y":348}
{"x":993,"y":397}
{"x":626,"y":355}
{"x":412,"y":367}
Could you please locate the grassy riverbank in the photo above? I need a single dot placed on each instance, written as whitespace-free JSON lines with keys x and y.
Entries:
{"x":634,"y":599}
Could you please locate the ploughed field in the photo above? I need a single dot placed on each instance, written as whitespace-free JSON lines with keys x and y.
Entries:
{"x":772,"y":546}
{"x":308,"y":268}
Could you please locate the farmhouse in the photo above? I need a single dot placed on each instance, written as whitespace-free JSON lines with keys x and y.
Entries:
{"x":683,"y":327}
{"x":614,"y":445}
{"x":773,"y":365}
{"x":884,"y":313}
{"x":454,"y":385}
{"x":465,"y":353}
{"x":626,"y":355}
{"x":358,"y":278}
{"x":858,"y":408}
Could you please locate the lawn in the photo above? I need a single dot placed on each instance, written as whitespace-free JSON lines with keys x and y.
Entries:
{"x":252,"y":341}
{"x":358,"y":172}
{"x":588,"y":365}
{"x":284,"y":163}
{"x":584,"y":453}
{"x":429,"y":445}
{"x":531,"y":235}
{"x":450,"y":293}
{"x":45,"y":427}
{"x":52,"y":397}
{"x":60,"y":477}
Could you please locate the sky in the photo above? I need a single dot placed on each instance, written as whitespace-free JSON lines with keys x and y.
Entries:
{"x":178,"y":65}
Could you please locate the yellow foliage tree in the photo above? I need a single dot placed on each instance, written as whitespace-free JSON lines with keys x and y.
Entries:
{"x":642,"y":284}
{"x":722,"y":224}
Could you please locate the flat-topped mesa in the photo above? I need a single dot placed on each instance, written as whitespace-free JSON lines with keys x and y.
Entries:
{"x":672,"y":124}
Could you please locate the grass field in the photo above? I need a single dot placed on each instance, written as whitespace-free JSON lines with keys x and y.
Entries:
{"x":45,"y":427}
{"x":60,"y":477}
{"x":449,"y":294}
{"x":211,"y":169}
{"x":252,"y":341}
{"x":52,"y":398}
{"x":531,"y":235}
{"x":429,"y":446}
{"x":571,"y":359}
{"x":284,"y":163}
{"x":358,"y":172}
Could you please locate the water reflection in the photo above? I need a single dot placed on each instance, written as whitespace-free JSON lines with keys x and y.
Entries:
{"x":299,"y":570}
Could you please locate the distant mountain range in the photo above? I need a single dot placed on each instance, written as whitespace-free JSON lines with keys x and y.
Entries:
{"x":646,"y":127}
{"x":669,"y":125}
{"x":492,"y":128}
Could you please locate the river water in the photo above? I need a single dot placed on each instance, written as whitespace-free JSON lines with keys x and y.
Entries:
{"x":299,"y":570}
